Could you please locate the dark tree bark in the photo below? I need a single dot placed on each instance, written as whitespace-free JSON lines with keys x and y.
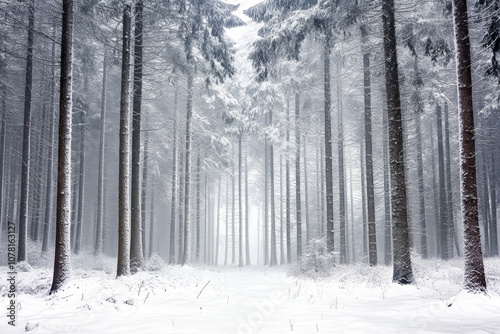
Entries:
{"x":363,"y":199}
{"x":387,"y":197}
{"x":298,"y":206}
{"x":475,"y":280}
{"x":136,"y":255}
{"x":123,"y":263}
{"x":102,"y":144}
{"x":435,"y":186}
{"x":25,"y":164}
{"x":62,"y":264}
{"x":328,"y":152}
{"x":401,"y":242}
{"x":493,"y":194}
{"x":187,"y":173}
{"x":3,"y":131}
{"x":370,"y":192}
{"x":144,"y":188}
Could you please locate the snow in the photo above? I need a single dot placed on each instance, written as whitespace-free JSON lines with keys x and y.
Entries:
{"x":174,"y":299}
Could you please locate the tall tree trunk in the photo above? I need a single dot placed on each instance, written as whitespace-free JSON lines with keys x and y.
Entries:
{"x":443,"y":217}
{"x":306,"y":194}
{"x":180,"y":225}
{"x":226,"y":246}
{"x":370,"y":192}
{"x":151,"y":219}
{"x":136,"y":255}
{"x":328,"y":152}
{"x":419,"y":110}
{"x":298,"y":205}
{"x":435,"y":186}
{"x":217,"y":237}
{"x":173,"y":202}
{"x":50,"y":157}
{"x":102,"y":144}
{"x":81,"y":172}
{"x":453,"y":240}
{"x":363,"y":199}
{"x":233,"y":212}
{"x":266,"y":196}
{"x":387,"y":197}
{"x":247,"y":218}
{"x":486,"y":208}
{"x":493,"y":194}
{"x":474,"y":269}
{"x":3,"y":125}
{"x":401,"y":242}
{"x":282,"y":225}
{"x":62,"y":265}
{"x":25,"y":165}
{"x":123,"y":265}
{"x":144,"y":188}
{"x":187,"y":174}
{"x":287,"y":188}
{"x":198,"y":207}
{"x":340,"y":151}
{"x":273,"y":261}
{"x":240,"y":203}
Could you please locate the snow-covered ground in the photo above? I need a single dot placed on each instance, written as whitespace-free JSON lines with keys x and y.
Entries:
{"x":173,"y":299}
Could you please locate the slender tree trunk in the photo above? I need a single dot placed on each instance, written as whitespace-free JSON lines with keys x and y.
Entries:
{"x":306,"y":193}
{"x":493,"y":195}
{"x":486,"y":208}
{"x":180,"y":225}
{"x":217,"y":237}
{"x":3,"y":125}
{"x":401,"y":242}
{"x":136,"y":255}
{"x":247,"y":217}
{"x":240,"y":203}
{"x":363,"y":199}
{"x":453,"y":240}
{"x":282,"y":225}
{"x":25,"y":165}
{"x":62,"y":264}
{"x":419,"y":110}
{"x":370,"y":192}
{"x":387,"y":197}
{"x":233,"y":213}
{"x":144,"y":188}
{"x":474,"y":270}
{"x":351,"y":200}
{"x":328,"y":153}
{"x":443,"y":217}
{"x":273,"y":261}
{"x":287,"y":188}
{"x":198,"y":207}
{"x":151,"y":219}
{"x":123,"y":266}
{"x":322,"y":225}
{"x":226,"y":246}
{"x":173,"y":202}
{"x":298,"y":205}
{"x":187,"y":174}
{"x":102,"y":144}
{"x":266,"y":197}
{"x":81,"y":174}
{"x":435,"y":186}
{"x":340,"y":150}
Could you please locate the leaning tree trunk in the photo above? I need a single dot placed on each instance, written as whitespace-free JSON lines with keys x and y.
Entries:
{"x":474,"y":270}
{"x":328,"y":152}
{"x":136,"y":255}
{"x":401,"y":256}
{"x":62,"y":265}
{"x":298,"y":206}
{"x":25,"y":164}
{"x":187,"y":173}
{"x":100,"y":183}
{"x":123,"y":263}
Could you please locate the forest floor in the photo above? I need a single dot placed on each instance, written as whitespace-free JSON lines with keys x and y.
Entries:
{"x":227,"y":299}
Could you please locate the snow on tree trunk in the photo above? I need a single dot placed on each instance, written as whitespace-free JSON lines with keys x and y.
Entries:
{"x":173,"y":202}
{"x":475,"y":280}
{"x":287,"y":189}
{"x":62,"y":264}
{"x":25,"y":162}
{"x":401,"y":243}
{"x":443,"y":212}
{"x":340,"y":152}
{"x":187,"y":173}
{"x":328,"y":152}
{"x":298,"y":205}
{"x":123,"y":263}
{"x":136,"y":255}
{"x":198,"y":208}
{"x":273,"y":258}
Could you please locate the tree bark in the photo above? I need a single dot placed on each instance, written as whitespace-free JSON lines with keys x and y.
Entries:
{"x":298,"y":206}
{"x":287,"y":189}
{"x":402,"y":273}
{"x":273,"y":261}
{"x":25,"y":164}
{"x":240,"y":203}
{"x":173,"y":202}
{"x":443,"y":216}
{"x":123,"y":265}
{"x":62,"y":264}
{"x":340,"y":152}
{"x":247,"y":217}
{"x":387,"y":197}
{"x":198,"y":207}
{"x":136,"y":255}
